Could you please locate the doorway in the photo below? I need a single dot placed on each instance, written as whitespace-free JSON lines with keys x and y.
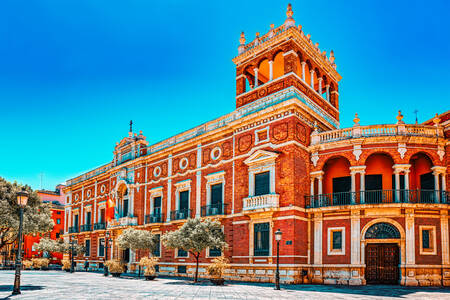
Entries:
{"x":382,"y":262}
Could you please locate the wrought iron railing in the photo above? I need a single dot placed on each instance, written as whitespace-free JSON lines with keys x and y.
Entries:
{"x":378,"y":197}
{"x":180,"y":214}
{"x":73,"y":229}
{"x":86,"y":227}
{"x":154,"y":218}
{"x":214,"y":209}
{"x":99,"y":226}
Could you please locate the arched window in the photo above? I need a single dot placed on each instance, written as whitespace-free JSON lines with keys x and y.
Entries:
{"x":382,"y":231}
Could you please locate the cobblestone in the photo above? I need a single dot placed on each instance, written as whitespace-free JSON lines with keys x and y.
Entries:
{"x":80,"y":285}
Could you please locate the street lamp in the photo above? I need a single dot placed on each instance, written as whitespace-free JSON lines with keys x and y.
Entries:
{"x":71,"y":254}
{"x":105,"y":268}
{"x":278,"y":234}
{"x":22,"y":199}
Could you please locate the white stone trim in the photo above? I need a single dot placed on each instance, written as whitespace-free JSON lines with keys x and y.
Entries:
{"x":257,"y":140}
{"x":330,"y":250}
{"x":212,"y":179}
{"x":433,"y":250}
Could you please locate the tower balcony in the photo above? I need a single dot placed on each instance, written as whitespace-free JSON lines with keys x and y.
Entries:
{"x":124,"y":221}
{"x":378,"y":197}
{"x":261,"y":202}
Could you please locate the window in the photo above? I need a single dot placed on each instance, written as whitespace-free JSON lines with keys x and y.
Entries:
{"x":213,"y":252}
{"x":182,"y":253}
{"x":101,"y":218}
{"x":336,"y":241}
{"x":57,"y":235}
{"x":157,"y":206}
{"x":182,"y":269}
{"x":261,"y":239}
{"x":88,"y":217}
{"x":58,"y":221}
{"x":87,"y":245}
{"x":101,"y":247}
{"x":262,"y":183}
{"x":184,"y":200}
{"x":157,"y":251}
{"x":427,"y":240}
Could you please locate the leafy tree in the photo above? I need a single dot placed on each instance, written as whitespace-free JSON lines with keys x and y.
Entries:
{"x":59,"y":246}
{"x":136,"y":239}
{"x":195,"y":236}
{"x":36,"y":216}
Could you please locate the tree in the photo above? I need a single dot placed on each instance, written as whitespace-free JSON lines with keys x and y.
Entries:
{"x":195,"y":236}
{"x":59,"y":246}
{"x":136,"y":239}
{"x":36,"y":215}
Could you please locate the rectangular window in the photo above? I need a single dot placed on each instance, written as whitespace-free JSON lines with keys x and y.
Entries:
{"x":262,"y":183}
{"x":182,"y":253}
{"x":58,"y":221}
{"x":182,"y":269}
{"x":157,"y":206}
{"x":102,"y":215}
{"x":213,"y":252}
{"x":87,"y":245}
{"x":157,"y":251}
{"x":88,"y":218}
{"x":184,"y":200}
{"x":261,"y":239}
{"x":426,"y":239}
{"x":216,"y":194}
{"x":101,"y":247}
{"x":337,"y":240}
{"x":75,"y":221}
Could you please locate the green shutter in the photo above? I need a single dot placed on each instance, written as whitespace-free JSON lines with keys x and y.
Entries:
{"x":262,"y":183}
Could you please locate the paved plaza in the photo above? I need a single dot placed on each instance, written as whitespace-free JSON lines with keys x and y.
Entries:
{"x":80,"y":285}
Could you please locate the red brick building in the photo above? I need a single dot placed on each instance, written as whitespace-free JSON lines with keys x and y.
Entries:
{"x":348,"y":201}
{"x":56,"y":199}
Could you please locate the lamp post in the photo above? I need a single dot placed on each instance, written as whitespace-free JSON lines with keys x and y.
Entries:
{"x":278,"y":234}
{"x":22,"y":199}
{"x":105,"y":268}
{"x":71,"y":254}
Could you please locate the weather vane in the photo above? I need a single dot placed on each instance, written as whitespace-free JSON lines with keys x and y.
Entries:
{"x":416,"y":111}
{"x":131,"y":125}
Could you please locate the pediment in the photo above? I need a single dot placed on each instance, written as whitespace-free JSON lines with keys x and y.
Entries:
{"x":261,"y":156}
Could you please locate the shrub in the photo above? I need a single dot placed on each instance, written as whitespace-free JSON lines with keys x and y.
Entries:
{"x":218,"y":267}
{"x":39,"y":263}
{"x":149,"y":264}
{"x":27,"y":264}
{"x":114,"y":266}
{"x":65,"y":264}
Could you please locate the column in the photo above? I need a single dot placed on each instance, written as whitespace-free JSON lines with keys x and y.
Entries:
{"x":407,"y":186}
{"x":312,"y":79}
{"x":362,"y":186}
{"x":320,"y":86}
{"x":319,"y":178}
{"x":270,"y":70}
{"x":312,"y":202}
{"x":318,"y":238}
{"x":328,"y":92}
{"x":444,"y":238}
{"x":303,"y":70}
{"x":198,"y":182}
{"x":353,"y":183}
{"x":256,"y":76}
{"x":410,"y":238}
{"x":436,"y":186}
{"x":397,"y":185}
{"x":355,"y":238}
{"x":169,"y":187}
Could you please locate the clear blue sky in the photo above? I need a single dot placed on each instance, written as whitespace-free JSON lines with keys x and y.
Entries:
{"x":73,"y":73}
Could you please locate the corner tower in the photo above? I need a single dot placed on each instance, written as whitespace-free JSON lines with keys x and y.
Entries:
{"x":286,"y":59}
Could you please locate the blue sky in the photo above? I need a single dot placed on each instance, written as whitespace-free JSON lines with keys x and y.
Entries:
{"x":73,"y":73}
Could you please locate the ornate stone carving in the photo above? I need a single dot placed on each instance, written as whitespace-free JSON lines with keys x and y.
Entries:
{"x":300,"y":131}
{"x":402,"y":149}
{"x":280,"y":131}
{"x":315,"y":158}
{"x":357,"y":151}
{"x":441,"y":152}
{"x":245,"y":142}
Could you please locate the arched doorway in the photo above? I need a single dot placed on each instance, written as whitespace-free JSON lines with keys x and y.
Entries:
{"x":382,"y":256}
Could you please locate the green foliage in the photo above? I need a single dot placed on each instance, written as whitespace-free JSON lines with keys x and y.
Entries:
{"x":59,"y":246}
{"x":149,"y":264}
{"x":36,"y":217}
{"x":136,"y":239}
{"x":218,"y":267}
{"x":114,"y":266}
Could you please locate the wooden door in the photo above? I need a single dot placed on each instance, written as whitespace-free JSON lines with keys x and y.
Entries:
{"x":382,"y":264}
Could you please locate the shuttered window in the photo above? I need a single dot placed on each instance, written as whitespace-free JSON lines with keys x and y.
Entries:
{"x":184,"y":200}
{"x":87,"y":247}
{"x":101,"y":247}
{"x":157,"y":251}
{"x":215,"y":252}
{"x":337,"y":240}
{"x":216,"y":193}
{"x":262,"y":183}
{"x":182,"y":253}
{"x":261,"y":239}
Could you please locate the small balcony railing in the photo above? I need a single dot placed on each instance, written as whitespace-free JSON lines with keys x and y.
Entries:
{"x":378,"y":197}
{"x":180,"y":214}
{"x":73,"y":229}
{"x":154,"y":218}
{"x":86,"y":227}
{"x":214,"y":209}
{"x":99,"y":226}
{"x":262,"y":201}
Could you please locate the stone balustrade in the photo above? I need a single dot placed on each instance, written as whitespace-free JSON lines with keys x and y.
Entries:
{"x":262,"y":201}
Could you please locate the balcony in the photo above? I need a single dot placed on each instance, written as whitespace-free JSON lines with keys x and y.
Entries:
{"x":214,"y":209}
{"x":378,"y":197}
{"x":180,"y":214}
{"x":99,"y":226}
{"x":86,"y":227}
{"x":154,"y":218}
{"x":261,"y":202}
{"x":124,"y":221}
{"x":73,"y":229}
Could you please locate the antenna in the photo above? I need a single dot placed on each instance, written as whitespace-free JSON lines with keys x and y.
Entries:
{"x":416,"y":111}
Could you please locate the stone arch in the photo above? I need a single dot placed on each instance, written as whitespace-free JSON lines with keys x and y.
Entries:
{"x":263,"y":70}
{"x":389,"y":221}
{"x":278,"y":64}
{"x":420,"y":165}
{"x":380,"y":163}
{"x":431,"y":156}
{"x":382,"y":230}
{"x":337,"y":166}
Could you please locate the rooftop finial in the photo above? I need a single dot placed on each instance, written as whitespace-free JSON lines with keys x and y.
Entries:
{"x":400,"y":118}
{"x":436,"y":120}
{"x":289,"y":20}
{"x":131,"y":125}
{"x":241,"y":47}
{"x":332,"y":56}
{"x":356,"y":120}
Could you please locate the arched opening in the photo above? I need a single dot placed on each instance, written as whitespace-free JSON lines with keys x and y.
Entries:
{"x":123,"y":201}
{"x":422,"y":180}
{"x":278,"y":65}
{"x":263,"y":72}
{"x":316,"y":84}
{"x":382,"y":255}
{"x":337,"y":180}
{"x":298,"y":64}
{"x":324,"y":87}
{"x":308,"y":68}
{"x":378,"y":179}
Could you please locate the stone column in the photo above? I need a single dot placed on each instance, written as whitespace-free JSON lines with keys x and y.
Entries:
{"x":353,"y":184}
{"x":312,"y":79}
{"x":445,"y":243}
{"x":328,"y":92}
{"x":436,"y":186}
{"x":169,"y":188}
{"x":270,"y":70}
{"x":303,"y":70}
{"x":355,"y":246}
{"x":362,"y":186}
{"x":397,"y":186}
{"x":256,"y":76}
{"x":318,"y":238}
{"x":320,"y":86}
{"x":410,"y":237}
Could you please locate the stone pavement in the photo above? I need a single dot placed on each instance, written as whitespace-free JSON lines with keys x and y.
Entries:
{"x":80,"y":285}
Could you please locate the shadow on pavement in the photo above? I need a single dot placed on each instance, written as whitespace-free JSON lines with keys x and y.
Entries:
{"x":9,"y":288}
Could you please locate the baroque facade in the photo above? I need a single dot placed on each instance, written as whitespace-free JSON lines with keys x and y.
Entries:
{"x":350,"y":202}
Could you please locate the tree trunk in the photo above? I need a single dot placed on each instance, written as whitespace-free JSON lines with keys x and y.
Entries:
{"x":196,"y":267}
